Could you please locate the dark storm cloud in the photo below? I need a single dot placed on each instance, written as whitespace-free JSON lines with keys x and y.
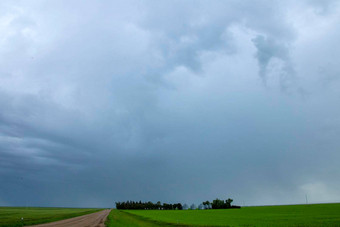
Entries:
{"x":111,"y":101}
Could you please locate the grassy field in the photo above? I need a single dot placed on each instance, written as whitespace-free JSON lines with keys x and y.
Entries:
{"x":118,"y":218}
{"x":11,"y":216}
{"x":292,"y":215}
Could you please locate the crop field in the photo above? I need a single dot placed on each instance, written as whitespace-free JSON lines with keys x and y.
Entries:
{"x":11,"y":216}
{"x":122,"y":218}
{"x":288,"y":215}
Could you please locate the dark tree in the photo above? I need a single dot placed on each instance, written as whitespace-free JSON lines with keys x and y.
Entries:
{"x":132,"y":205}
{"x":220,"y":204}
{"x":228,"y":202}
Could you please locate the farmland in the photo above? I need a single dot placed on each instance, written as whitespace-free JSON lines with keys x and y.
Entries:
{"x":122,"y":218}
{"x":11,"y":216}
{"x":288,"y":215}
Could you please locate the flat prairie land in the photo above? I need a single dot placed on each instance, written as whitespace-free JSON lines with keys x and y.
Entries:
{"x":12,"y":216}
{"x":121,"y":218}
{"x":286,"y":215}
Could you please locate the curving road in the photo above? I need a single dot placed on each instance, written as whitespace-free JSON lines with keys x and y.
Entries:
{"x":90,"y":220}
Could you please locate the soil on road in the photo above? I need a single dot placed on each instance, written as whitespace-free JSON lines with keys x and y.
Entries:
{"x":90,"y":220}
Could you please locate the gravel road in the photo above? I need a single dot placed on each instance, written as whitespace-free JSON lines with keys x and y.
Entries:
{"x":90,"y":220}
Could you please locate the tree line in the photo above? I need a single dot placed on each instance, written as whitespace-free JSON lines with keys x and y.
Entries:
{"x":132,"y":205}
{"x":219,"y":204}
{"x":215,"y":204}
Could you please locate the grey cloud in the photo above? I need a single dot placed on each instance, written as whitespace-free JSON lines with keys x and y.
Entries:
{"x":269,"y":49}
{"x":161,"y":101}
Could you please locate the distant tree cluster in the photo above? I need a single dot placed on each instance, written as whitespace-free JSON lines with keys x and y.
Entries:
{"x":132,"y":205}
{"x":215,"y":204}
{"x":219,"y":204}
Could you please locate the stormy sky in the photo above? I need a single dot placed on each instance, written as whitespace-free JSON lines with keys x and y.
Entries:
{"x":177,"y":101}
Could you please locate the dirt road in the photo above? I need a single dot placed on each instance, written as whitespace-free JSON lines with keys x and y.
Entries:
{"x":90,"y":220}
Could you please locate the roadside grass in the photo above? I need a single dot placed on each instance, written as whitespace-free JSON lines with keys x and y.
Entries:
{"x":286,"y":215}
{"x":11,"y":216}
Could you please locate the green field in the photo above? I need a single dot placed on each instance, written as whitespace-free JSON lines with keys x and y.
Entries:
{"x":11,"y":216}
{"x":290,"y":215}
{"x":122,"y":218}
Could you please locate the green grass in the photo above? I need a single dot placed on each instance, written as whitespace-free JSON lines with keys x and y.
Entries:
{"x":290,"y":215}
{"x":118,"y":218}
{"x":11,"y":216}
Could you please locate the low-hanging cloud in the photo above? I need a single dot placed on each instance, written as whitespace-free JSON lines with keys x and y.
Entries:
{"x":269,"y":50}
